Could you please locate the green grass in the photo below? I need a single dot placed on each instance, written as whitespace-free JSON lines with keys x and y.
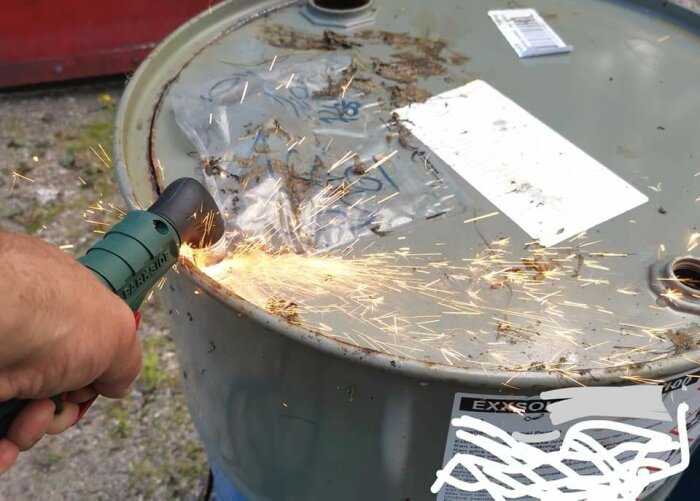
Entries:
{"x":190,"y":465}
{"x":11,"y":124}
{"x":51,"y":456}
{"x":144,"y":477}
{"x":178,"y":468}
{"x":78,"y":154}
{"x":90,"y":135}
{"x":118,"y":416}
{"x":38,"y":215}
{"x":152,"y":374}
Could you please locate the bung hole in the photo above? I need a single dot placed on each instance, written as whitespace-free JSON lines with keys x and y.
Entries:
{"x":687,"y":272}
{"x":341,"y":5}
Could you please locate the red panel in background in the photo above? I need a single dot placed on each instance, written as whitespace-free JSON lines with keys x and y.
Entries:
{"x":51,"y":40}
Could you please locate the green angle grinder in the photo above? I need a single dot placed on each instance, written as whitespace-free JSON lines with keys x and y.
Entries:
{"x":136,"y":252}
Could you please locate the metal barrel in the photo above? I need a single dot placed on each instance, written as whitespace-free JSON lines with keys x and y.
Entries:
{"x":353,"y":396}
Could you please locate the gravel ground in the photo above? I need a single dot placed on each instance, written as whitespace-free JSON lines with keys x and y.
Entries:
{"x":145,"y":446}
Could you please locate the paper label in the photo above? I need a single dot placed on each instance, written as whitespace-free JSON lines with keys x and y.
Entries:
{"x":528,"y":33}
{"x":526,"y":421}
{"x":544,"y":183}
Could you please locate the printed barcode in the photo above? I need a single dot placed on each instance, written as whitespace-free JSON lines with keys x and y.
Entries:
{"x":532,"y":33}
{"x":528,"y":33}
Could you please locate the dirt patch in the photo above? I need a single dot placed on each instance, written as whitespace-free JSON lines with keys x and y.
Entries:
{"x":284,"y":308}
{"x":426,"y":46}
{"x":684,"y":340}
{"x":297,"y":185}
{"x":401,"y":96}
{"x":459,"y":59}
{"x":418,"y":57}
{"x":406,"y":67}
{"x":245,"y":162}
{"x":289,"y":38}
{"x":396,"y":128}
{"x":349,"y":79}
{"x":212,"y":166}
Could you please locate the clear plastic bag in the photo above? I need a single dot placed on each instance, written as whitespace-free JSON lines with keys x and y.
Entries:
{"x":305,"y":156}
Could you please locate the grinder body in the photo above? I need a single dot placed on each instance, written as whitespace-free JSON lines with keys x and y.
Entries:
{"x":133,"y":255}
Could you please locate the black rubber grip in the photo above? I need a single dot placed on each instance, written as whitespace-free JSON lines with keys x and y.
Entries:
{"x":10,"y":408}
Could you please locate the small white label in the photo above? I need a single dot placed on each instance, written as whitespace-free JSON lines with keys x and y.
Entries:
{"x":528,"y":33}
{"x":544,"y":183}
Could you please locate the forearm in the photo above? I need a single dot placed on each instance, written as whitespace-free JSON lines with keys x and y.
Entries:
{"x":18,"y":300}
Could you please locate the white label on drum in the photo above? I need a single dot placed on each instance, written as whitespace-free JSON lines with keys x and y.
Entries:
{"x":528,"y":33}
{"x":540,"y":180}
{"x":507,"y":447}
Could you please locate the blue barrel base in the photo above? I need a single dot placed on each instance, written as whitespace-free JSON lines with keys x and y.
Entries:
{"x":224,"y":490}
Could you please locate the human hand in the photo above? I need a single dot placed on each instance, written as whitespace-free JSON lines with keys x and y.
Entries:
{"x":61,"y":331}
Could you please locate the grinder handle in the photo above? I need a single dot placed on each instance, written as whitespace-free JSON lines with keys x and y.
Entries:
{"x":10,"y":409}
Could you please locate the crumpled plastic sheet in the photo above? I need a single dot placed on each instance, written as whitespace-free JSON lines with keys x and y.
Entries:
{"x":304,"y":158}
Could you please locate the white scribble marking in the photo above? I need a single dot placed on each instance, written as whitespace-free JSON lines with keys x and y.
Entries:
{"x":513,"y":474}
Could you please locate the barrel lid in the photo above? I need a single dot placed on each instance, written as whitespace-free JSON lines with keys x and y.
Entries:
{"x":457,"y":288}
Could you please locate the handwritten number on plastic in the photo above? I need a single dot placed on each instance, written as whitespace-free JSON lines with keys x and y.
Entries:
{"x":339,"y":111}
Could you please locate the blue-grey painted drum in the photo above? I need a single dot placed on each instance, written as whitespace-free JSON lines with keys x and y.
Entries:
{"x":289,"y":413}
